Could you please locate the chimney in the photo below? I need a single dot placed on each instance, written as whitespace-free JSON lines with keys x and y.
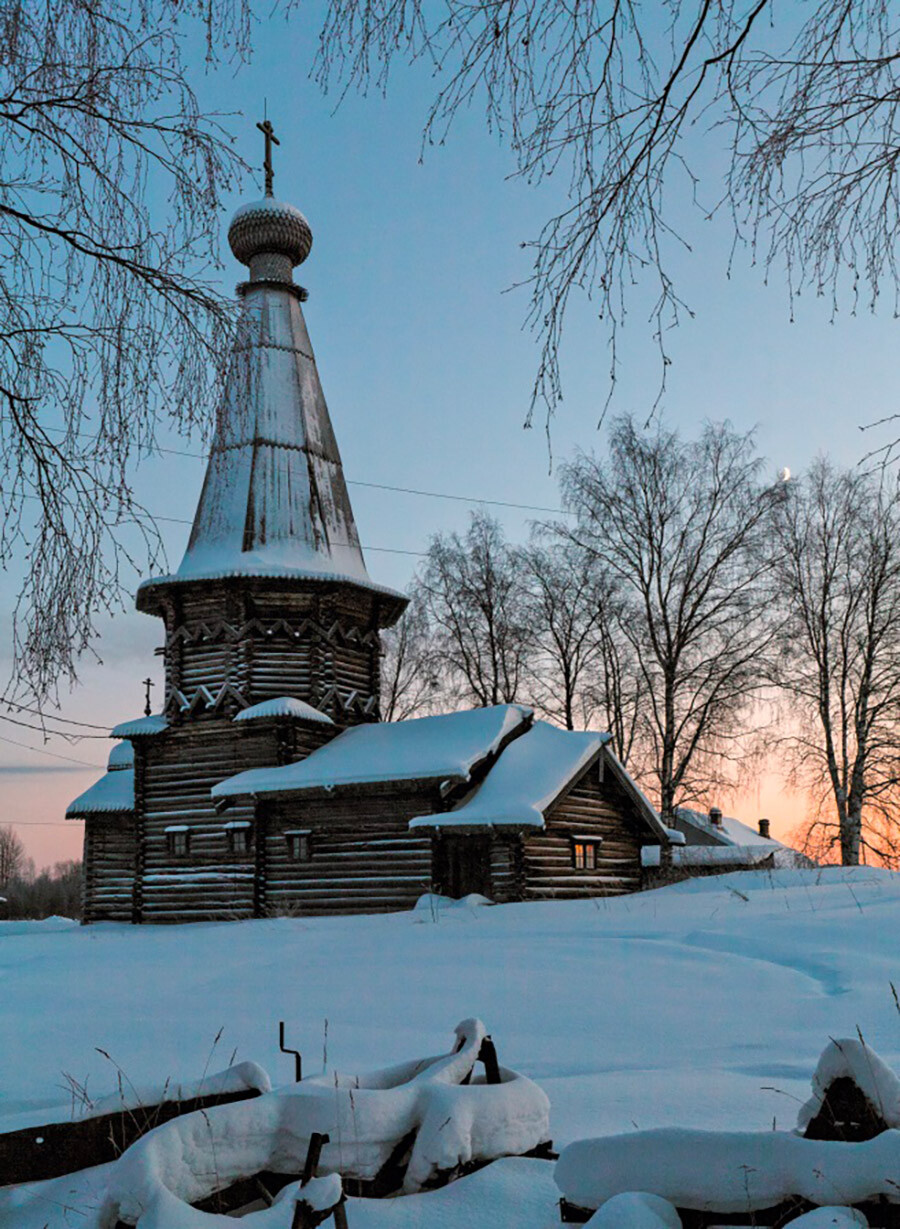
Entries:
{"x":715,"y":817}
{"x":764,"y":829}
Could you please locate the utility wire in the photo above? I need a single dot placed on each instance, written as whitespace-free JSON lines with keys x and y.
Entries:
{"x":375,"y":486}
{"x":23,"y":708}
{"x":43,"y":730}
{"x":53,"y":754}
{"x":44,"y":823}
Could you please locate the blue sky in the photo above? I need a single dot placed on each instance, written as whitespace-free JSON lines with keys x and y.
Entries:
{"x":427,"y":369}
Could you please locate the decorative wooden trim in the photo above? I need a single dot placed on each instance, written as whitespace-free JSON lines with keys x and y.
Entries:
{"x":336,"y":633}
{"x":202,"y":699}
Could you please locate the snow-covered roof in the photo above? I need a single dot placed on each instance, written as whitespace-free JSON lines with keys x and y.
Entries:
{"x":141,"y":727}
{"x":710,"y":855}
{"x":121,"y":756}
{"x":447,"y":747}
{"x":274,"y":501}
{"x":283,"y":706}
{"x":526,"y":780}
{"x":730,"y":831}
{"x":113,"y":794}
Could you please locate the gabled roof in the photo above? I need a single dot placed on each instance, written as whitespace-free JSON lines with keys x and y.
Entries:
{"x":526,"y":780}
{"x":531,"y":775}
{"x":746,"y":844}
{"x":445,"y":748}
{"x":731,"y":831}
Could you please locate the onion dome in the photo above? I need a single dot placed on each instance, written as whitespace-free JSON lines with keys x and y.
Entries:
{"x":268,"y":228}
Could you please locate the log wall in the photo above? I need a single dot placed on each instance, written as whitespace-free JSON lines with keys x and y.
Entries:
{"x":595,"y":807}
{"x":109,"y":845}
{"x":178,"y":771}
{"x":319,"y":644}
{"x":363,"y":858}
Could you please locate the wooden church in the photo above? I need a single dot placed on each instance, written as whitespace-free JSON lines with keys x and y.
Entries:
{"x":268,"y":783}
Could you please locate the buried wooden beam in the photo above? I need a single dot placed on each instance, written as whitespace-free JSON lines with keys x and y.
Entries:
{"x":488,"y":1055}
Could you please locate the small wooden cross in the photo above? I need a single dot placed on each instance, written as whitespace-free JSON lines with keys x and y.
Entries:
{"x":269,"y":133}
{"x":148,"y":683}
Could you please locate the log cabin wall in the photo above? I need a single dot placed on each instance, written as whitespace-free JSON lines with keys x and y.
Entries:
{"x":317,"y":643}
{"x":210,"y":880}
{"x":360,"y":855}
{"x":596,"y":807}
{"x":109,"y":868}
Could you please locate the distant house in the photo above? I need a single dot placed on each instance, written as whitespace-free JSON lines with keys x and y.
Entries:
{"x":715,"y":843}
{"x":268,"y":782}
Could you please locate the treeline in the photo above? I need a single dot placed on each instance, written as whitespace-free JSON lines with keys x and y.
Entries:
{"x":711,"y":618}
{"x":26,"y":894}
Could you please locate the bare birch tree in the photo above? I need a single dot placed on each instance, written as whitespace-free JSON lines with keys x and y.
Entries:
{"x":682,"y":526}
{"x":580,"y":669}
{"x":782,"y":117}
{"x":412,"y":674}
{"x":838,"y":569}
{"x":474,"y":595}
{"x":110,"y":183}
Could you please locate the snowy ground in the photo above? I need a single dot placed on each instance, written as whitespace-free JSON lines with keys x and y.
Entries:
{"x":703,"y":1005}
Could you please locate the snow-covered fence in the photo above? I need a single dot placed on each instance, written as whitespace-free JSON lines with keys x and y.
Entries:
{"x":418,"y":1123}
{"x":106,"y":1128}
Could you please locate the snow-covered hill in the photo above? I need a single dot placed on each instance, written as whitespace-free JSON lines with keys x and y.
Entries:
{"x":701,"y":1005}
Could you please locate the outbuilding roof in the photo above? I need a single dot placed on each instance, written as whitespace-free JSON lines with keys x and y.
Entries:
{"x":526,"y":780}
{"x":729,"y":831}
{"x":449,"y":747}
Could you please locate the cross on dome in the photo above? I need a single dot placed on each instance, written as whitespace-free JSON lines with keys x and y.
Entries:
{"x":269,"y":133}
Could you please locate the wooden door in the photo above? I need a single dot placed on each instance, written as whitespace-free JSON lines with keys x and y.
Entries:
{"x":462,"y":864}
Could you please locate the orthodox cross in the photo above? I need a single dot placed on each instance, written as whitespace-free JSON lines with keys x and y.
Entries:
{"x":148,"y":683}
{"x":269,"y":133}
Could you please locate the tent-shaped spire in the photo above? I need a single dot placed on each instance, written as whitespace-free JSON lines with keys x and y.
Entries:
{"x":274,"y":501}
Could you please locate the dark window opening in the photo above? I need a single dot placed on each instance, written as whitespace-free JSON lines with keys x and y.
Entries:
{"x":298,"y":846}
{"x":239,"y":838}
{"x":178,"y":841}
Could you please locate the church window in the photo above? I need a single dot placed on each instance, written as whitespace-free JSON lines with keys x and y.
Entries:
{"x":238,"y":833}
{"x":178,"y":840}
{"x":298,"y":844}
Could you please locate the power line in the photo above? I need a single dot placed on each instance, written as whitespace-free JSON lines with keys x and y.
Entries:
{"x":376,"y":486}
{"x":42,"y":823}
{"x":43,"y":730}
{"x":53,"y":754}
{"x":23,"y":708}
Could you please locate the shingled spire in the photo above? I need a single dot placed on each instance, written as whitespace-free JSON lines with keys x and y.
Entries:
{"x":274,"y":502}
